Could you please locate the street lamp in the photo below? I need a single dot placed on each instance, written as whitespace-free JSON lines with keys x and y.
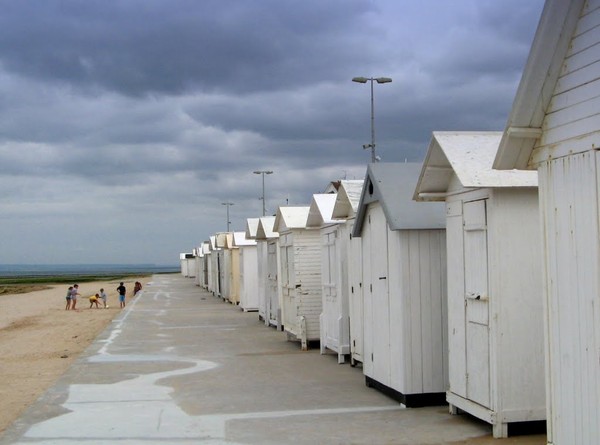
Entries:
{"x":228,"y":204}
{"x":263,"y":173}
{"x":378,"y":80}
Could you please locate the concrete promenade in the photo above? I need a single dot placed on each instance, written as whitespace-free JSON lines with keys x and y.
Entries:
{"x":181,"y":366}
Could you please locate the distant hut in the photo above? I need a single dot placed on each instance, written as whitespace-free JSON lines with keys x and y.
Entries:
{"x":349,"y":283}
{"x":300,"y":278}
{"x":269,"y":308}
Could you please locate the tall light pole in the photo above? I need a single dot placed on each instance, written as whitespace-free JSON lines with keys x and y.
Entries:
{"x":228,"y":204}
{"x":263,"y":173}
{"x":378,"y":80}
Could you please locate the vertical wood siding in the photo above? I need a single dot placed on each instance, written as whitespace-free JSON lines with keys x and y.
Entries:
{"x":571,"y":237}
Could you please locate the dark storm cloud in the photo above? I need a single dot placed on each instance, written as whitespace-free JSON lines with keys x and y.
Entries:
{"x":136,"y":119}
{"x":141,"y":46}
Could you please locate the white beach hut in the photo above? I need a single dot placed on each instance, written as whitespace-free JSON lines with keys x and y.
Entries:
{"x":198,"y":260}
{"x":188,"y":263}
{"x":223,"y":264}
{"x":404,"y":287}
{"x":350,"y":303}
{"x":213,"y":266}
{"x":248,"y":270}
{"x":300,"y":277}
{"x":232,"y":262}
{"x":205,"y":261}
{"x":495,"y":305}
{"x":183,"y":263}
{"x":334,"y":320}
{"x":269,"y":308}
{"x":554,"y":127}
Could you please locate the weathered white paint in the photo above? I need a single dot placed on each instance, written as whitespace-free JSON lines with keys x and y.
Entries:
{"x":248,"y":272}
{"x":334,"y":320}
{"x":268,"y":271}
{"x":232,"y":266}
{"x":558,"y":93}
{"x":404,"y":281}
{"x":205,"y":262}
{"x":213,"y":266}
{"x":198,"y":261}
{"x":495,"y":304}
{"x":224,"y":265}
{"x":345,"y":208}
{"x":300,"y":278}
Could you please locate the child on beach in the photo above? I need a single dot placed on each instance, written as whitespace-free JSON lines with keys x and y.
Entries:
{"x":103,"y":296}
{"x":137,"y":287}
{"x":74,"y":294}
{"x":94,"y":300}
{"x":68,"y":297}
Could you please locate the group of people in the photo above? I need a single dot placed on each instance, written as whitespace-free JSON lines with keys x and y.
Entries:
{"x":73,"y":294}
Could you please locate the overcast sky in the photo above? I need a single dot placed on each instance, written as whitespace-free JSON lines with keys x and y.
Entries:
{"x":125,"y":124}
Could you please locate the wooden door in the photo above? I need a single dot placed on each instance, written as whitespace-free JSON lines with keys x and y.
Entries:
{"x":272,"y":303}
{"x":329,"y":282}
{"x":356,"y":303}
{"x":367,"y":293}
{"x":380,"y":295}
{"x":477,"y":302}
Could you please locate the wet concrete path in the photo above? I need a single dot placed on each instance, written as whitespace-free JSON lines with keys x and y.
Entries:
{"x":181,"y":366}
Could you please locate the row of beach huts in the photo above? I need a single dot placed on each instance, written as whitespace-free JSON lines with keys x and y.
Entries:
{"x":403,"y":287}
{"x":458,"y":280}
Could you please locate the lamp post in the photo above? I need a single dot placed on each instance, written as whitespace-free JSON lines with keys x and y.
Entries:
{"x":378,"y":80}
{"x":263,"y":173}
{"x":228,"y":204}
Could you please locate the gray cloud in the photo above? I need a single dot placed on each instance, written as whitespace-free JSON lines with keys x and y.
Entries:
{"x":132,"y":121}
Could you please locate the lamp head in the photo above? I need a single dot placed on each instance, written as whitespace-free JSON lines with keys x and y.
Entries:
{"x":360,"y":79}
{"x":383,"y":80}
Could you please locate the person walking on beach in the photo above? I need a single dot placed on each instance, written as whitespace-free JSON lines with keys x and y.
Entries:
{"x":103,"y":296}
{"x":121,"y":289}
{"x":68,"y":306}
{"x":74,"y":295}
{"x":137,"y":288}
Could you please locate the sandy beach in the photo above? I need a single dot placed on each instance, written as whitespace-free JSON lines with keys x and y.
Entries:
{"x":39,"y":339}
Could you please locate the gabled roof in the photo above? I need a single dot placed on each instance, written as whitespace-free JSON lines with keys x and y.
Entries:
{"x":550,"y":45}
{"x":468,"y":155}
{"x":213,"y":242}
{"x":240,"y":239}
{"x":221,"y":239}
{"x":290,"y":217}
{"x":332,"y":187}
{"x":392,"y":185}
{"x":251,"y":227}
{"x":320,"y":210}
{"x":347,"y":198}
{"x":265,"y":228}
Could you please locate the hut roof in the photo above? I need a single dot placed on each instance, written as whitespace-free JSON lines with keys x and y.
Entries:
{"x":321,"y":209}
{"x":392,"y":185}
{"x":550,"y":46}
{"x":468,"y":155}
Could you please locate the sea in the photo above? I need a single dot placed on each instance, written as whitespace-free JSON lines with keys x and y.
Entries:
{"x":40,"y":270}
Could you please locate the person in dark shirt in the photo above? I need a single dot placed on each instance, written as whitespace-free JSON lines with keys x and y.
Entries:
{"x":121,"y":289}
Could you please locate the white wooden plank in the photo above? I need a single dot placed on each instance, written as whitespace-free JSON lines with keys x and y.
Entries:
{"x":576,"y":96}
{"x":573,"y":113}
{"x":571,"y":130}
{"x":576,"y":78}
